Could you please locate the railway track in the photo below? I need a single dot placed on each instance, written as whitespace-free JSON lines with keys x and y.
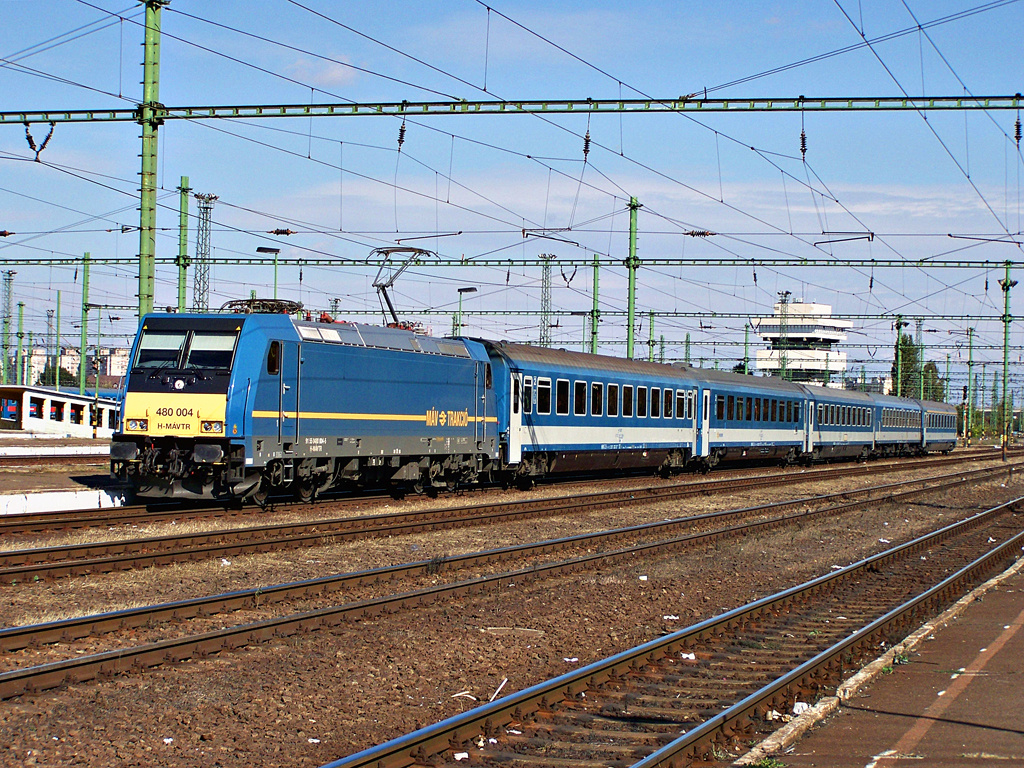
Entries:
{"x":158,"y":512}
{"x":53,"y":674}
{"x":26,"y":565}
{"x":704,"y":692}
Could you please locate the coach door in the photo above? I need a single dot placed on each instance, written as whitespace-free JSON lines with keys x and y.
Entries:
{"x":808,"y":426}
{"x":704,"y":428}
{"x":288,"y":393}
{"x":515,"y":419}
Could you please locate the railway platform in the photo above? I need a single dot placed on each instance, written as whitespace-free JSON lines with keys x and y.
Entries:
{"x":957,"y":701}
{"x":33,"y":478}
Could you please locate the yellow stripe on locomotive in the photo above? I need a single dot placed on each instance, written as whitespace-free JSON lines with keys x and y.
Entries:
{"x":177,"y":415}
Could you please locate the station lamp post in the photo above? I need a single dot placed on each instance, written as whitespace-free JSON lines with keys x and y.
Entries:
{"x":275,"y":251}
{"x":457,"y":325}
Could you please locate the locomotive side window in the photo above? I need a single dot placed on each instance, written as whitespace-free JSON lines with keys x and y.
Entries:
{"x":627,"y":399}
{"x":580,"y":398}
{"x":668,"y":403}
{"x":544,"y":396}
{"x":613,"y":399}
{"x":641,"y":402}
{"x":562,"y":397}
{"x":596,"y":399}
{"x":159,"y":349}
{"x":274,"y":358}
{"x":655,"y":402}
{"x":528,"y":394}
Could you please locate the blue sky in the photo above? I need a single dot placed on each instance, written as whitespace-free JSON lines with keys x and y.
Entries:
{"x":491,"y":176}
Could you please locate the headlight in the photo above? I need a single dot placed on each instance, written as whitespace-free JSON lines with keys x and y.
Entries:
{"x":214,"y":427}
{"x":138,"y":424}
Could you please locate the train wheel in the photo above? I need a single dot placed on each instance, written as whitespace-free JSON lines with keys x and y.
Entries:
{"x":261,"y":494}
{"x":524,"y":483}
{"x":305,"y":489}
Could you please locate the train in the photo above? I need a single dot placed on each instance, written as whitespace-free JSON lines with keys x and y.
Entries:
{"x":241,"y":406}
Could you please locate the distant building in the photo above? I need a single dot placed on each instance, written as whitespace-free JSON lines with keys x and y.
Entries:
{"x":802,"y":336}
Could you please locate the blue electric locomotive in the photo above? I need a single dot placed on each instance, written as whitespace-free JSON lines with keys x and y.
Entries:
{"x":236,"y":406}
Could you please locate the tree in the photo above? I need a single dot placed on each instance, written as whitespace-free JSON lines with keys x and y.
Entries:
{"x":934,"y":386}
{"x":67,"y":379}
{"x":908,"y":382}
{"x":738,"y":368}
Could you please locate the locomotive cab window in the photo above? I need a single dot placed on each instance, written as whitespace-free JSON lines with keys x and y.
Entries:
{"x":211,"y":351}
{"x":159,"y":349}
{"x":274,"y":358}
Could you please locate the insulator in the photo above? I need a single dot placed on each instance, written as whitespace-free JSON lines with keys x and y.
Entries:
{"x":401,"y":137}
{"x":1016,"y":132}
{"x":803,"y":144}
{"x":586,"y":141}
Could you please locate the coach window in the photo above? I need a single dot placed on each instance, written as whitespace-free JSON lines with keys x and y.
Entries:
{"x":691,"y":406}
{"x":579,"y":398}
{"x":613,"y":399}
{"x":730,"y":408}
{"x":596,"y":399}
{"x":627,"y":399}
{"x":775,"y":410}
{"x":668,"y":403}
{"x":757,"y":409}
{"x":720,"y":407}
{"x":641,"y":402}
{"x":655,"y":402}
{"x":515,"y":393}
{"x":544,"y":396}
{"x":528,"y":394}
{"x":562,"y":397}
{"x":681,"y":398}
{"x":796,"y":412}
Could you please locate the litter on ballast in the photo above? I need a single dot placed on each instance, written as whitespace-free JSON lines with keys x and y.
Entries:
{"x":225,"y":561}
{"x":313,"y":741}
{"x":643,"y":578}
{"x":885,"y":541}
{"x":690,"y":656}
{"x":670,"y":617}
{"x":461,"y":755}
{"x":570,"y":659}
{"x":495,"y":694}
{"x":800,"y":707}
{"x":168,"y":740}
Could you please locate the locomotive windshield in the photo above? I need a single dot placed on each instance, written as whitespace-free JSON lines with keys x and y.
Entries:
{"x":183,"y":350}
